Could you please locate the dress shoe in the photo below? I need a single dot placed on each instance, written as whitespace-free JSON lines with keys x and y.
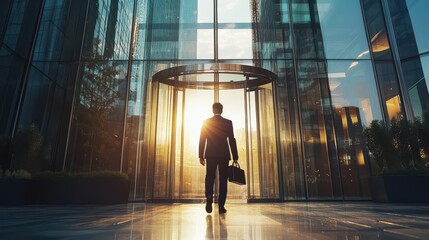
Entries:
{"x":222,"y":210}
{"x":209,"y":204}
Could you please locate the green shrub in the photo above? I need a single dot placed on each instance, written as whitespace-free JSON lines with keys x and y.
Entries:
{"x":399,"y":149}
{"x":18,"y":174}
{"x":422,"y":128}
{"x":379,"y":143}
{"x":96,"y":175}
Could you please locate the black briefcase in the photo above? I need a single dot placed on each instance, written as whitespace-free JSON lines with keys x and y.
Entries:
{"x":236,"y":174}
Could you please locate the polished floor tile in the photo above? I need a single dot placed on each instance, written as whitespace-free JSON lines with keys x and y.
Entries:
{"x":291,"y":220}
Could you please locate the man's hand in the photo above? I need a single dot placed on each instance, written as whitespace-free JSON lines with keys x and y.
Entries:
{"x":202,"y":161}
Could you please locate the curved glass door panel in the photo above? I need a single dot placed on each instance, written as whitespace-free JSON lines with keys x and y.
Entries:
{"x":268,"y":147}
{"x":164,"y":132}
{"x":189,"y":174}
{"x":262,"y":166}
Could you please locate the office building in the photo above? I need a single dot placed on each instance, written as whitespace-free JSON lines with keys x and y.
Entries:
{"x":124,"y":85}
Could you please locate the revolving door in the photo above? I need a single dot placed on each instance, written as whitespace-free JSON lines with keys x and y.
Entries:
{"x":182,"y":98}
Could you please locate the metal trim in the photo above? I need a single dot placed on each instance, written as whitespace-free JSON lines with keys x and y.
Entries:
{"x":262,"y":76}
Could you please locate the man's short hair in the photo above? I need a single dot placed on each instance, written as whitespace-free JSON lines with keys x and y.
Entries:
{"x":217,"y":108}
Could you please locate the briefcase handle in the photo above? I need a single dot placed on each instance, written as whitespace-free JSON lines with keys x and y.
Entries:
{"x":235,"y":163}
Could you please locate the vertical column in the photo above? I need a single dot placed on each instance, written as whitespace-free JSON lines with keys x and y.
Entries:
{"x":216,"y":73}
{"x":128,"y":79}
{"x":216,"y":87}
{"x":248,"y":153}
{"x":172,"y":157}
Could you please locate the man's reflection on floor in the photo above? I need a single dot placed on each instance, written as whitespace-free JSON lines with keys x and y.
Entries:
{"x":217,"y":231}
{"x":222,"y":226}
{"x":209,"y":227}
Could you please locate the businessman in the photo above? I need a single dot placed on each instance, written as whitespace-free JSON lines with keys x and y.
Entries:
{"x":216,"y":138}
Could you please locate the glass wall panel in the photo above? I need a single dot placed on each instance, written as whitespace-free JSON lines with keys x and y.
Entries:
{"x":387,"y":77}
{"x":11,"y":70}
{"x":188,"y":32}
{"x":235,"y":34}
{"x":205,"y":32}
{"x":61,"y":27}
{"x":272,"y":36}
{"x":320,"y":165}
{"x":49,"y":82}
{"x":235,"y":44}
{"x":5,"y":7}
{"x":43,"y":106}
{"x":181,"y":30}
{"x":108,"y":28}
{"x":38,"y":91}
{"x":416,"y":80}
{"x":352,"y":83}
{"x":205,"y":11}
{"x":403,"y":27}
{"x":425,"y":65}
{"x":329,"y":28}
{"x":134,"y":163}
{"x":378,"y":36}
{"x":289,"y":131}
{"x":57,"y":121}
{"x":355,"y":102}
{"x":412,"y":37}
{"x":196,"y":30}
{"x":21,"y":26}
{"x":205,"y":43}
{"x":55,"y":53}
{"x":417,"y":9}
{"x":234,"y":11}
{"x":141,"y":30}
{"x":98,"y":117}
{"x":17,"y":27}
{"x":307,"y":30}
{"x":35,"y":110}
{"x":164,"y":30}
{"x":383,"y":60}
{"x":343,"y":31}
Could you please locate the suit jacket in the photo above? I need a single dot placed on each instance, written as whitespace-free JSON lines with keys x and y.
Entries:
{"x":216,"y":132}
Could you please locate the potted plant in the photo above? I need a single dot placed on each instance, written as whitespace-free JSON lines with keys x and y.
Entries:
{"x":401,"y":156}
{"x":96,"y":187}
{"x":16,"y":187}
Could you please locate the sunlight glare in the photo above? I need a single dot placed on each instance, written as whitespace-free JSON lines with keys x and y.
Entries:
{"x":198,"y":108}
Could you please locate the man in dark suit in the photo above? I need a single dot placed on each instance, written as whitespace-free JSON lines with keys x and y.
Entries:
{"x":213,"y":150}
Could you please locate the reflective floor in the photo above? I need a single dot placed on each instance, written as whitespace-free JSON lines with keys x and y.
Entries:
{"x":292,"y":220}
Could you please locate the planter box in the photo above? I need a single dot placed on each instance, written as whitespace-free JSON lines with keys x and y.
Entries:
{"x":83,"y":191}
{"x":402,"y":188}
{"x":16,"y":191}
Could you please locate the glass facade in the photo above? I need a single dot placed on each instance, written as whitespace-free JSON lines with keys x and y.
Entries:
{"x":89,"y":75}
